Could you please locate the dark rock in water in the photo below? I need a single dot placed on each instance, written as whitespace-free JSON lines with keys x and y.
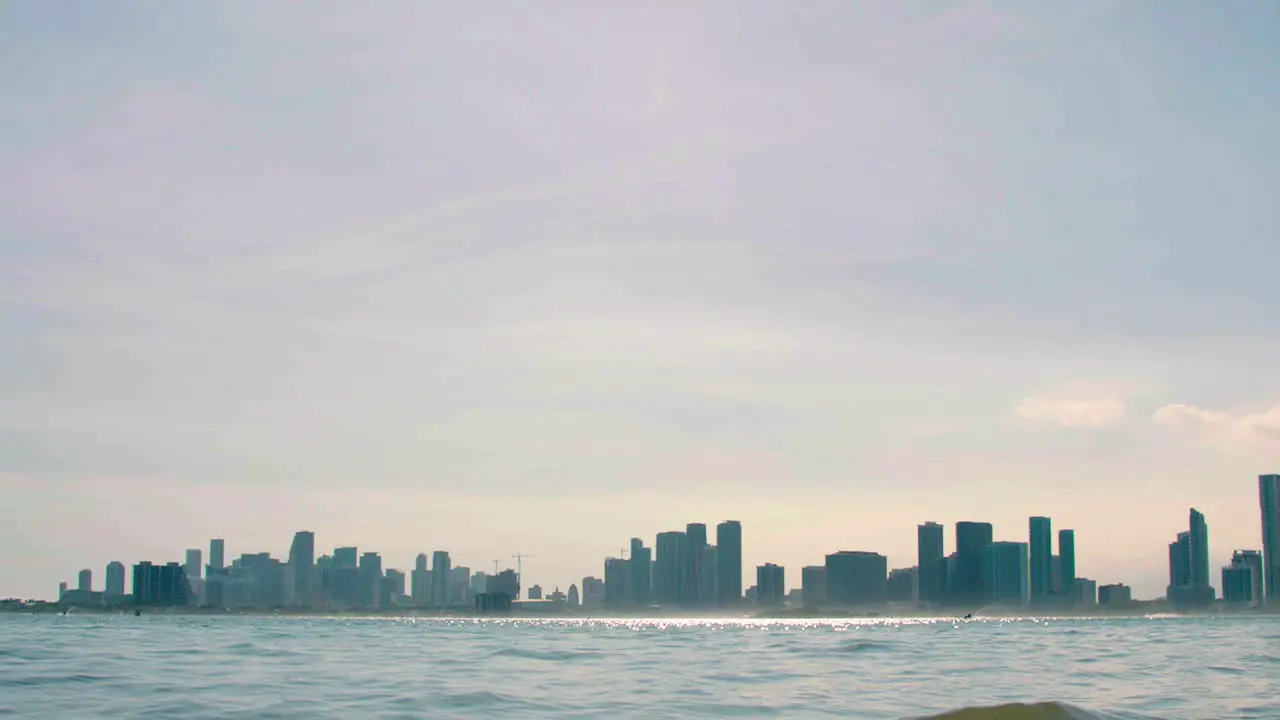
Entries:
{"x":1017,"y":711}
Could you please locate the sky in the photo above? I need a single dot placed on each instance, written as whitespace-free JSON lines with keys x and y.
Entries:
{"x":506,"y":277}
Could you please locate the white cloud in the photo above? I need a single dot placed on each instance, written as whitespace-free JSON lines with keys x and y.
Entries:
{"x":1248,"y":429}
{"x":1073,"y":409}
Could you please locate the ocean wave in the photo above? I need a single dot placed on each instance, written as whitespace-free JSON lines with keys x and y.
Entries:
{"x":552,"y":656}
{"x":1019,"y":711}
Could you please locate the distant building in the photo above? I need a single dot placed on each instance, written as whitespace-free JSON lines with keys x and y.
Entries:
{"x":420,"y":583}
{"x":1189,"y":565}
{"x":1269,"y":502}
{"x":369,"y":576}
{"x":85,"y":581}
{"x":813,"y":586}
{"x":1242,"y":580}
{"x":460,"y":585}
{"x":1006,"y":573}
{"x":535,"y":592}
{"x":217,"y":553}
{"x":160,"y":585}
{"x":695,"y":541}
{"x":668,"y":576}
{"x":617,"y":582}
{"x":639,"y":583}
{"x":1055,"y":570}
{"x":1115,"y":596}
{"x":115,"y":578}
{"x":479,"y":583}
{"x":506,"y":583}
{"x":557,"y":597}
{"x":901,"y":586}
{"x":857,"y":578}
{"x":194,"y":566}
{"x":931,"y":563}
{"x":397,"y":579}
{"x":1086,"y":592}
{"x":729,"y":580}
{"x":62,"y":590}
{"x":771,"y":585}
{"x":302,"y":560}
{"x":440,"y":568}
{"x":1066,"y":561}
{"x":593,"y":593}
{"x":573,"y":600}
{"x":709,"y":576}
{"x":972,"y":538}
{"x":1041,"y":559}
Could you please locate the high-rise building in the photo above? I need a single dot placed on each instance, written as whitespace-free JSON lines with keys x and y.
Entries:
{"x":971,"y":540}
{"x":617,"y":582}
{"x":573,"y":600}
{"x":115,"y":578}
{"x":695,"y":539}
{"x":593,"y":593}
{"x":194,"y":565}
{"x":217,"y":550}
{"x":901,"y":586}
{"x":62,"y":589}
{"x":1084,"y":592}
{"x":1041,"y":560}
{"x":1113,"y":596}
{"x":1199,"y":550}
{"x":85,"y":581}
{"x":931,"y":563}
{"x":729,"y":582}
{"x":709,"y":575}
{"x":1242,"y":579}
{"x":668,"y":572}
{"x":440,"y":571}
{"x":460,"y":585}
{"x":1067,"y":561}
{"x":771,"y":585}
{"x":420,"y":582}
{"x":1189,"y":565}
{"x":857,"y":578}
{"x":813,"y":586}
{"x":640,"y":581}
{"x":160,"y":585}
{"x":369,"y":585}
{"x":1006,"y":570}
{"x":1269,"y":501}
{"x":346,"y":557}
{"x":302,"y":560}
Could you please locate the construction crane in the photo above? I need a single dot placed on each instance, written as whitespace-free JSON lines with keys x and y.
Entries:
{"x":495,"y":568}
{"x":520,"y":567}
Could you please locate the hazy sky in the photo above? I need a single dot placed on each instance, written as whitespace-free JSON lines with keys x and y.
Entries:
{"x":498,"y":277}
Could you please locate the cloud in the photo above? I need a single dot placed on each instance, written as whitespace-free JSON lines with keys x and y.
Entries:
{"x":1073,"y":409}
{"x":1249,"y":429}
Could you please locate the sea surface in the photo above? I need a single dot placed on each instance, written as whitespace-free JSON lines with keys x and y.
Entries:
{"x":197,"y":667}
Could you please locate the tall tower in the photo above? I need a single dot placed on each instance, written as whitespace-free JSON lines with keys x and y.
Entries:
{"x":115,"y":578}
{"x":667,"y":567}
{"x":440,"y":566}
{"x":1269,"y":500}
{"x":695,"y":535}
{"x":302,"y":558}
{"x":931,"y":562}
{"x":1041,"y":558}
{"x":640,"y":581}
{"x":729,"y":562}
{"x":85,"y":581}
{"x":194,"y":566}
{"x":1199,"y":550}
{"x":217,"y":549}
{"x":1067,"y":561}
{"x":972,"y":538}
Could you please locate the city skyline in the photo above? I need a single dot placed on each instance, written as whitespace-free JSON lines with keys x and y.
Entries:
{"x":542,"y":280}
{"x":683,"y":569}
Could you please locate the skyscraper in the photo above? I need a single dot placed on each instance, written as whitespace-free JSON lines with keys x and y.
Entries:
{"x":217,"y":550}
{"x":931,"y":563}
{"x":695,"y":535}
{"x":302,"y":558}
{"x":971,"y":539}
{"x":1041,"y":560}
{"x":1067,"y":562}
{"x":1199,"y":549}
{"x":667,"y":567}
{"x":1242,"y":579}
{"x":639,"y":584}
{"x":856,"y":578}
{"x":420,"y":582}
{"x":440,"y":572}
{"x":85,"y":581}
{"x":1005,"y":573}
{"x":813,"y":586}
{"x":369,"y":586}
{"x":1269,"y":501}
{"x":1189,"y":565}
{"x":729,"y":561}
{"x":771,"y":585}
{"x":617,"y":582}
{"x":194,"y":565}
{"x":115,"y":578}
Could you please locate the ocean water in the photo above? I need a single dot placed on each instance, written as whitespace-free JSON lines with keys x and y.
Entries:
{"x":86,"y":666}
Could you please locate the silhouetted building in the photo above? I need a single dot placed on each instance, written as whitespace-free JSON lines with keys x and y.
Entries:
{"x":420,"y":582}
{"x":217,"y":553}
{"x":901,"y":586}
{"x":930,"y":563}
{"x":535,"y":592}
{"x":397,"y":583}
{"x":1041,"y":559}
{"x":115,"y":578}
{"x":1055,"y":569}
{"x":506,"y":583}
{"x":1189,"y":565}
{"x":1269,"y":501}
{"x":972,"y":538}
{"x":573,"y":600}
{"x":856,"y":578}
{"x":1242,"y":579}
{"x":1115,"y":596}
{"x":1085,"y":592}
{"x":771,"y":585}
{"x":62,"y":590}
{"x":493,"y":602}
{"x":593,"y":593}
{"x":302,"y":559}
{"x":709,"y":575}
{"x":667,"y":571}
{"x":1006,"y":573}
{"x":368,"y":589}
{"x":617,"y":582}
{"x":640,"y":582}
{"x":1067,"y":561}
{"x":813,"y":586}
{"x":695,"y":539}
{"x":440,"y":567}
{"x":460,"y":585}
{"x":729,"y":544}
{"x":85,"y":581}
{"x":160,"y":585}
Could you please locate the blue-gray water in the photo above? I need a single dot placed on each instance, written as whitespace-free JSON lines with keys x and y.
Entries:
{"x":244,"y":667}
